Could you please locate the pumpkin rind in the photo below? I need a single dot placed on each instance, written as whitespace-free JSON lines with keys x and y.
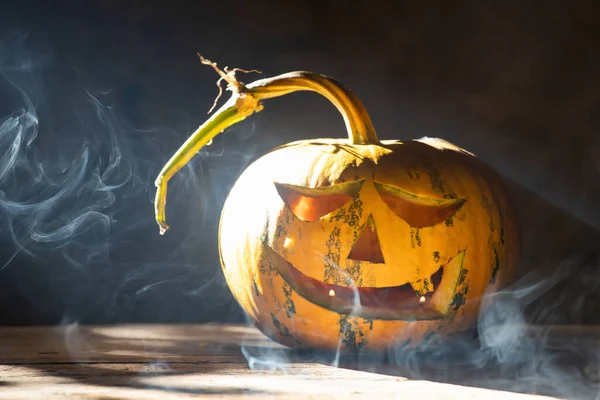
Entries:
{"x":419,"y":230}
{"x":254,"y":215}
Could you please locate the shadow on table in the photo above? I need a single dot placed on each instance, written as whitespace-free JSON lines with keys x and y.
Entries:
{"x":558,"y":366}
{"x":152,"y":357}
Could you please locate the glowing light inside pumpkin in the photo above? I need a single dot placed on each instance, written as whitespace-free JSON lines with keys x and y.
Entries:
{"x":289,"y":244}
{"x":422,"y":299}
{"x":331,"y":293}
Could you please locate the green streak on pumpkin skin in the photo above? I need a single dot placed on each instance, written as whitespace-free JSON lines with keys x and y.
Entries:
{"x":333,"y":272}
{"x":355,"y":273}
{"x":498,"y":211}
{"x":290,"y":308}
{"x":264,"y":237}
{"x":418,"y":292}
{"x":459,"y":299}
{"x":501,"y":216}
{"x":288,"y":219}
{"x":281,"y":329}
{"x":484,"y":201}
{"x":450,"y":221}
{"x":495,"y":209}
{"x":350,"y":216}
{"x":496,"y":266}
{"x":332,"y":258}
{"x":265,"y":264}
{"x":415,"y":237}
{"x":280,"y":231}
{"x":436,"y":182}
{"x":426,"y":285}
{"x":255,"y":288}
{"x":355,"y":211}
{"x":413,"y":173}
{"x":352,"y":337}
{"x":462,"y":276}
{"x":340,"y":215}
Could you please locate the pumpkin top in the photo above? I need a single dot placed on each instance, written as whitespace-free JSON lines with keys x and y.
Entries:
{"x":319,"y":163}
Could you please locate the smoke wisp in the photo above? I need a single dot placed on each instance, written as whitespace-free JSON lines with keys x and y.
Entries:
{"x":76,"y":199}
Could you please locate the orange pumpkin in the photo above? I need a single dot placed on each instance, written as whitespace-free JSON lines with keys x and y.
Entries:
{"x":356,"y":243}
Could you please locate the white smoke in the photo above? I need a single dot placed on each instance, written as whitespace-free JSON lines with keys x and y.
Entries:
{"x":76,"y":196}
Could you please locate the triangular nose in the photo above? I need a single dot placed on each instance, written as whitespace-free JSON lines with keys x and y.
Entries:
{"x":367,"y":246}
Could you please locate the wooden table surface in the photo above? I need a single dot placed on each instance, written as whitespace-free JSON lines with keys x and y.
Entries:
{"x":217,"y":361}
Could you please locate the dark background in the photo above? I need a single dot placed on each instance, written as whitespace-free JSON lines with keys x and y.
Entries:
{"x":116,"y":87}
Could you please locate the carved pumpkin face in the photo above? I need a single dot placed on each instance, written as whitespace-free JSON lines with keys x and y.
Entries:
{"x":324,"y":242}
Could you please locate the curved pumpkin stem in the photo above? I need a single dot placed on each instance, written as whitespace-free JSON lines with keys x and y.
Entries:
{"x":245,"y":100}
{"x":358,"y":123}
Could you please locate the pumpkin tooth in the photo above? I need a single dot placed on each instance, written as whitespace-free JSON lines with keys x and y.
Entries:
{"x":427,"y":285}
{"x":452,"y":272}
{"x":418,"y":287}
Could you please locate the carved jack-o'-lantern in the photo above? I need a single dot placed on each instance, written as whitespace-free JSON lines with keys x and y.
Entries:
{"x":360,"y":243}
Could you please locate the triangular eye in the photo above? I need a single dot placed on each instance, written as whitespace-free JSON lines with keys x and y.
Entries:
{"x":418,"y":211}
{"x":311,"y":204}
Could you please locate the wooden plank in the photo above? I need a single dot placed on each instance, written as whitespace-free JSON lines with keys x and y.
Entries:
{"x":185,"y":343}
{"x":128,"y":343}
{"x":200,"y":380}
{"x":197,"y":361}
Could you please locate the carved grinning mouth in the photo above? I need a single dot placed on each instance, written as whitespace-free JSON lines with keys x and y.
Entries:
{"x":386,"y":303}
